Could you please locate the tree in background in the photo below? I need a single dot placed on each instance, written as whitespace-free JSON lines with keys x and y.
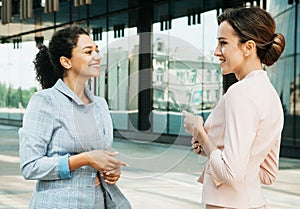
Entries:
{"x":12,"y":97}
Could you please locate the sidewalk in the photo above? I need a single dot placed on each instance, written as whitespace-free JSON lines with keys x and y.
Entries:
{"x":160,"y":176}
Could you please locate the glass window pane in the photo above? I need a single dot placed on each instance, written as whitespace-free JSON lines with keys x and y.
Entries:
{"x":186,"y":76}
{"x":118,"y":81}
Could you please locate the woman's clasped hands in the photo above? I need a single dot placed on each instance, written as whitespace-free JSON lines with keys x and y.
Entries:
{"x":109,"y":167}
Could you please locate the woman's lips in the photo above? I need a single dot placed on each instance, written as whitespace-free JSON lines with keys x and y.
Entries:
{"x":96,"y":65}
{"x":222,"y":61}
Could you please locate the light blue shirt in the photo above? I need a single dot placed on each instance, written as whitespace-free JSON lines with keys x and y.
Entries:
{"x":58,"y":124}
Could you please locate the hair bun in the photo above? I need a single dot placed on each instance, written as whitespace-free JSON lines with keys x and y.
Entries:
{"x":274,"y":50}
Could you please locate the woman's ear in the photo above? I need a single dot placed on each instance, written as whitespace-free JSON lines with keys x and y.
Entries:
{"x":249,"y":48}
{"x":65,"y":62}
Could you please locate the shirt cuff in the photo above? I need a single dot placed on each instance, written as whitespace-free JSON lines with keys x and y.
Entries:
{"x":63,"y":167}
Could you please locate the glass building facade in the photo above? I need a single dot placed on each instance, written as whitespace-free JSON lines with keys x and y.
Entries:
{"x":285,"y":74}
{"x":157,"y":60}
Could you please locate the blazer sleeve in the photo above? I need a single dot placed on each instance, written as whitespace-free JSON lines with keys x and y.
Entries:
{"x":241,"y":121}
{"x":34,"y":138}
{"x":269,"y":167}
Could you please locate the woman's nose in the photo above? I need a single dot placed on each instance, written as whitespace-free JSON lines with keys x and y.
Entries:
{"x":96,"y":55}
{"x":217,"y":51}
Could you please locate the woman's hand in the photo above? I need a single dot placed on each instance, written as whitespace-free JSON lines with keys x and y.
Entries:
{"x":97,"y":181}
{"x":111,"y":177}
{"x":200,"y":142}
{"x":104,"y":161}
{"x":196,"y":146}
{"x":194,"y":126}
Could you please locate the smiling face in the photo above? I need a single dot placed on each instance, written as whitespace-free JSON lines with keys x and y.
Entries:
{"x":229,"y":50}
{"x":85,"y":60}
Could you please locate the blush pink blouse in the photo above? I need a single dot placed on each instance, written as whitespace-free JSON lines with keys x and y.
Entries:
{"x":246,"y":127}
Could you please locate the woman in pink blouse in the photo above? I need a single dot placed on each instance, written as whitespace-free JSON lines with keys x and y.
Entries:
{"x":241,"y":137}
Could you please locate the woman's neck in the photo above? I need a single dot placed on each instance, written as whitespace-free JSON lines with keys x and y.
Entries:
{"x":249,"y":66}
{"x":77,"y":86}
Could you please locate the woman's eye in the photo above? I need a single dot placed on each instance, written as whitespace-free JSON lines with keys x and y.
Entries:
{"x":88,"y":52}
{"x":222,"y":43}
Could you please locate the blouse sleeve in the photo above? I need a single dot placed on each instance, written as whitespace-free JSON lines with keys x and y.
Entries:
{"x":241,"y":119}
{"x":35,"y":136}
{"x":269,"y":167}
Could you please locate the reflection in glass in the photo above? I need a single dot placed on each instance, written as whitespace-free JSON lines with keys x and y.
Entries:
{"x":183,"y":82}
{"x":17,"y":80}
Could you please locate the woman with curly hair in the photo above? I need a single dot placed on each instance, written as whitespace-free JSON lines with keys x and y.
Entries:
{"x":67,"y":131}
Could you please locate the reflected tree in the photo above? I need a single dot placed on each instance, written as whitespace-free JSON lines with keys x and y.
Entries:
{"x":15,"y":97}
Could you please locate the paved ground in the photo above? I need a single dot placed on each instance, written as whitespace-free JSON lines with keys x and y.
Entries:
{"x":159,"y":176}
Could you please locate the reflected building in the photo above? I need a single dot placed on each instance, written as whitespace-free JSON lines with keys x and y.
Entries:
{"x":286,"y":72}
{"x":184,"y":80}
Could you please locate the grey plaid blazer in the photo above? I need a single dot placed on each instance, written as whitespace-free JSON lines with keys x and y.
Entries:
{"x":56,"y":125}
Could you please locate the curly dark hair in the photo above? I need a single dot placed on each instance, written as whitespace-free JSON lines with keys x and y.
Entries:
{"x":47,"y":61}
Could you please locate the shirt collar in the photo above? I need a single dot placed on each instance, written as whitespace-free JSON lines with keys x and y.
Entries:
{"x":64,"y":89}
{"x":255,"y":72}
